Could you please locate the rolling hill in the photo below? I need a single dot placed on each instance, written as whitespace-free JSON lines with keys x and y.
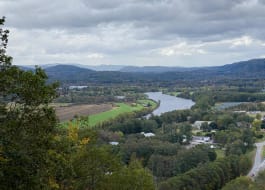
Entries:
{"x":156,"y":69}
{"x":74,"y":74}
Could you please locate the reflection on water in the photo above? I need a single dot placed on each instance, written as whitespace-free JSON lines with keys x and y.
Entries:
{"x":169,"y":103}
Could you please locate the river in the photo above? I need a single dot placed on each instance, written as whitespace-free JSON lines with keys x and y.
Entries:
{"x":169,"y":103}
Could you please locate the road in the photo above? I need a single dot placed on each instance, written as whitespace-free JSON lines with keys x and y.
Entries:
{"x":259,"y":162}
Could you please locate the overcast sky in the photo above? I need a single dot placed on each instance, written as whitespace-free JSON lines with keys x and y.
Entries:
{"x":135,"y":32}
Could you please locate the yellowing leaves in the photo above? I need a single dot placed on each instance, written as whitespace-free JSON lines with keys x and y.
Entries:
{"x":84,"y":141}
{"x":73,"y":135}
{"x":53,"y":184}
{"x":73,"y":132}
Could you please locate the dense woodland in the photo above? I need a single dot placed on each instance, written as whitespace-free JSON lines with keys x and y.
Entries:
{"x":36,"y":152}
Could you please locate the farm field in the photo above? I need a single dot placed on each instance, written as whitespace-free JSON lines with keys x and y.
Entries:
{"x":103,"y":112}
{"x":120,"y":109}
{"x":66,"y":113}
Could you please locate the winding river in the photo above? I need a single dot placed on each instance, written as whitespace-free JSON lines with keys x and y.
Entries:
{"x":169,"y":103}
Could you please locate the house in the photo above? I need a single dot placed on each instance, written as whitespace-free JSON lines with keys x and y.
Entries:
{"x":201,"y":138}
{"x":77,"y":87}
{"x":114,"y":143}
{"x":198,"y":124}
{"x":148,"y":134}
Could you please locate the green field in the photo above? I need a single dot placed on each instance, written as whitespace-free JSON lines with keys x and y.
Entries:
{"x":146,"y":102}
{"x":220,"y":153}
{"x":120,"y":108}
{"x":173,"y":93}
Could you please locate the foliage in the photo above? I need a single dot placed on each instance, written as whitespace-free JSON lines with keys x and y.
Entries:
{"x":239,"y":183}
{"x":164,"y":166}
{"x":27,"y":126}
{"x":131,"y":177}
{"x":210,"y":176}
{"x":34,"y":154}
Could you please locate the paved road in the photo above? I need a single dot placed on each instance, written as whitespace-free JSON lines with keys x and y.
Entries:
{"x":259,"y":163}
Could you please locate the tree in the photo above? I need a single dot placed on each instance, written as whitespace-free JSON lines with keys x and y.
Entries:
{"x":239,"y":183}
{"x":132,"y":177}
{"x":256,"y":125}
{"x":27,"y":125}
{"x":93,"y":166}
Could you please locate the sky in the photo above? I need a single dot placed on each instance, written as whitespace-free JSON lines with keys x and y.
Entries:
{"x":188,"y":33}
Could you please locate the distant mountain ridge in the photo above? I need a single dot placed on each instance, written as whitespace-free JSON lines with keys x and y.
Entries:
{"x":254,"y":68}
{"x":253,"y":65}
{"x":156,"y":69}
{"x":91,"y":67}
{"x":67,"y":72}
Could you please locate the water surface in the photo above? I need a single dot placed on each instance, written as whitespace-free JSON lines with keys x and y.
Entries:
{"x":169,"y":103}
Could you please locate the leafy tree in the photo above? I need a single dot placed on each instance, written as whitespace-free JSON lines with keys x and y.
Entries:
{"x":256,"y":124}
{"x":92,"y":166}
{"x":238,"y":184}
{"x":27,"y":125}
{"x":132,"y":177}
{"x":212,"y":175}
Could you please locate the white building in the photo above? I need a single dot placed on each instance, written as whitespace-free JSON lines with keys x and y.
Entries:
{"x":148,"y":134}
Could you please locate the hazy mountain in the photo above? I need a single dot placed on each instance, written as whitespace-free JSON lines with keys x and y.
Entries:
{"x":91,"y":67}
{"x":102,"y":67}
{"x":67,"y":72}
{"x":25,"y":68}
{"x":30,"y":67}
{"x":156,"y":69}
{"x":74,"y":74}
{"x":253,"y":65}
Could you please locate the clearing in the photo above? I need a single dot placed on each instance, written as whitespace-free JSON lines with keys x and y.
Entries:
{"x":110,"y":112}
{"x":66,"y":113}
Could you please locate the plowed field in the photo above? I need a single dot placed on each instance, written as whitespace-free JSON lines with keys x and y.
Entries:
{"x":66,"y":113}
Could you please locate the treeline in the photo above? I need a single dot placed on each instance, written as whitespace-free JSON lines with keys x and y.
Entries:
{"x":165,"y":166}
{"x":101,"y":94}
{"x":210,"y":176}
{"x":225,"y":96}
{"x":251,"y":106}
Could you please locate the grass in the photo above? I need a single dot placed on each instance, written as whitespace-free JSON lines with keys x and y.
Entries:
{"x":220,"y":153}
{"x":174,"y":93}
{"x":146,"y":102}
{"x":120,"y":108}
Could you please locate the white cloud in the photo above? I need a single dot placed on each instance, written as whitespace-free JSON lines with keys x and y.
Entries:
{"x":243,"y":41}
{"x":182,"y":48}
{"x":132,"y":32}
{"x":95,"y":56}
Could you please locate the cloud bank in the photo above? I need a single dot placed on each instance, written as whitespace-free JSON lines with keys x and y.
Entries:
{"x":135,"y":32}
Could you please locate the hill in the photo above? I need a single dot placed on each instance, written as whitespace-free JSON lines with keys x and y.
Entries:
{"x":74,"y":74}
{"x":67,"y":73}
{"x":254,"y":66}
{"x":156,"y":69}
